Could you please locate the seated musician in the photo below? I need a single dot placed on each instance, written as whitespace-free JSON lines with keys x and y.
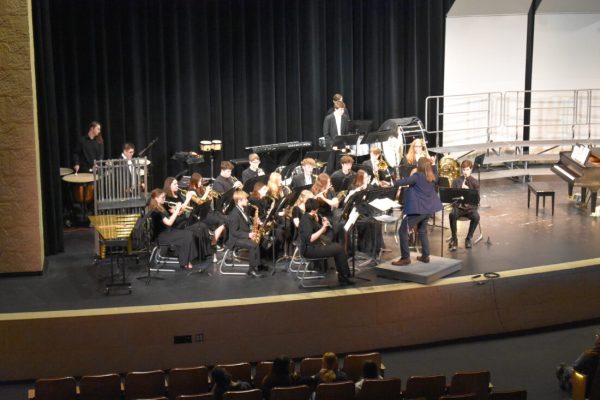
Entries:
{"x":253,"y":169}
{"x":381,"y":177}
{"x":314,"y":244}
{"x":241,"y":234}
{"x":346,"y":173}
{"x":306,"y":177}
{"x":258,"y":198}
{"x":299,"y":208}
{"x":465,"y":181}
{"x":325,"y":194}
{"x":166,"y":233}
{"x":370,"y":236}
{"x":225,"y":181}
{"x":276,"y":189}
{"x":183,"y":220}
{"x":416,"y":150}
{"x":131,"y":178}
{"x":213,"y":219}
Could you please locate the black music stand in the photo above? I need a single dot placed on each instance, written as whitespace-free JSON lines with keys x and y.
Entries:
{"x":360,"y":126}
{"x":353,"y":201}
{"x":456,"y":196}
{"x":342,"y":183}
{"x":379,"y":136}
{"x":249,"y":185}
{"x":223,"y":203}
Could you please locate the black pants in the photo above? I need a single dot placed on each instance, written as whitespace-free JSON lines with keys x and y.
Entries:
{"x":334,"y":250}
{"x":253,"y":251}
{"x":471,"y":214}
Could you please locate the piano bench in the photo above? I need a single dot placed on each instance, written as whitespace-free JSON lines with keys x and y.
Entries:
{"x":540,"y":189}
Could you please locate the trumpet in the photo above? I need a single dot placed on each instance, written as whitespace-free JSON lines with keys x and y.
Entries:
{"x":173,"y":204}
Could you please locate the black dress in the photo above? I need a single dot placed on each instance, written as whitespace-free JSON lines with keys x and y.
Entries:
{"x":181,"y":240}
{"x":198,"y":228}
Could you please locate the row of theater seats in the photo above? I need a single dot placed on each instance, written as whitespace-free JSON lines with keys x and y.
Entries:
{"x":193,"y":383}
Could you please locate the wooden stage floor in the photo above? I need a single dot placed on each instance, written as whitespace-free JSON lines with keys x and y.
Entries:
{"x":514,"y":238}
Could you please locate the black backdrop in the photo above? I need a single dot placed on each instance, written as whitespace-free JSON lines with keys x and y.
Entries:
{"x":246,"y":72}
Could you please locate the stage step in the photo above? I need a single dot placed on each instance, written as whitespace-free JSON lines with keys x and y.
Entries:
{"x":436,"y":268}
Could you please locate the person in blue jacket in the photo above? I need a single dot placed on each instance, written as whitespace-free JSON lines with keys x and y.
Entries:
{"x":420,"y":202}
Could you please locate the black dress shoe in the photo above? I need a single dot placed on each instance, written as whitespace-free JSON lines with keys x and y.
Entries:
{"x":345,"y":281}
{"x":254,"y":274}
{"x":453,"y":244}
{"x":468,"y":243}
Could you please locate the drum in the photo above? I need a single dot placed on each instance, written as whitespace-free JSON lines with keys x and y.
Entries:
{"x":83,"y":192}
{"x":217,"y":145}
{"x":205,"y":145}
{"x":65,"y":171}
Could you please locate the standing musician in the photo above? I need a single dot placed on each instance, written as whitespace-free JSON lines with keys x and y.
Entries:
{"x":306,"y":177}
{"x":420,"y":202}
{"x":183,"y":220}
{"x":89,"y":148}
{"x":336,"y":123}
{"x":381,"y":177}
{"x":225,"y":181}
{"x":201,"y":195}
{"x":253,"y":169}
{"x":465,"y":181}
{"x":338,"y":97}
{"x":165,"y":231}
{"x":240,"y":234}
{"x":314,"y":243}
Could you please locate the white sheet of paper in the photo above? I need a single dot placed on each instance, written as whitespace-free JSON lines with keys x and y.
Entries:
{"x":351,"y":219}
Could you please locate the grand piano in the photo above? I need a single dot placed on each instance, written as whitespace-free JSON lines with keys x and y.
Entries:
{"x":587,"y":175}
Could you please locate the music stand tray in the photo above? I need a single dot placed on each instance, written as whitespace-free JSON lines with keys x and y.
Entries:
{"x":459,"y":196}
{"x":345,"y":140}
{"x":378,"y":136}
{"x":360,"y":126}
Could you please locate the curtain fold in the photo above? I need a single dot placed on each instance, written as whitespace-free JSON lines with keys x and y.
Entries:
{"x":246,"y":72}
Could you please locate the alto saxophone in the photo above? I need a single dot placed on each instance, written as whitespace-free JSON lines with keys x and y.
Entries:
{"x":256,"y":225}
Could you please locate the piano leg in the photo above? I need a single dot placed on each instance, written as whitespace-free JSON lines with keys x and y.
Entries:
{"x":570,"y":185}
{"x":594,"y":196}
{"x":583,"y":194}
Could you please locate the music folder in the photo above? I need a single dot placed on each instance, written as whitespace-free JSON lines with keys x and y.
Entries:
{"x":249,"y":185}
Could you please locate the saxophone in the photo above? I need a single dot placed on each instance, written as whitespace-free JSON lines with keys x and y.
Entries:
{"x":256,"y":225}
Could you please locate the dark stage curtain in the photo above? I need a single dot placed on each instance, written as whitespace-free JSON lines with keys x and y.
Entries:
{"x":246,"y":72}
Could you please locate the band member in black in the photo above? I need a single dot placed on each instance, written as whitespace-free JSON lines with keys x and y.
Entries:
{"x":325,"y":195}
{"x":253,"y":169}
{"x":465,"y":181}
{"x":314,"y":243}
{"x":225,"y":181}
{"x":306,"y":177}
{"x":184,"y":220}
{"x":165,"y":232}
{"x":339,"y":97}
{"x":258,"y":198}
{"x":202,"y":198}
{"x":241,"y":234}
{"x":336,"y":123}
{"x":344,"y":176}
{"x":381,"y":175}
{"x":89,"y":148}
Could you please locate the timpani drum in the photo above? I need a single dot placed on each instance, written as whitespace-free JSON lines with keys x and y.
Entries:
{"x":216,"y":145}
{"x":205,"y":145}
{"x":65,"y":171}
{"x":82,"y":191}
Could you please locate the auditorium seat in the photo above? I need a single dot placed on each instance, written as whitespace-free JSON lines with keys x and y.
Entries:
{"x":253,"y":394}
{"x":185,"y":381}
{"x":100,"y":387}
{"x":335,"y":391}
{"x":467,"y":396}
{"x":56,"y":389}
{"x":301,"y":392}
{"x":509,"y":395}
{"x":203,"y":396}
{"x":263,"y":369}
{"x":471,"y":382}
{"x":380,"y":389}
{"x":310,"y":366}
{"x":144,"y":385}
{"x":353,"y":364}
{"x":430,"y":387}
{"x":239,"y":371}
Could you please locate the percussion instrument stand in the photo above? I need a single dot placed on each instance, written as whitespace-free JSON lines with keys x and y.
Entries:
{"x":116,"y":248}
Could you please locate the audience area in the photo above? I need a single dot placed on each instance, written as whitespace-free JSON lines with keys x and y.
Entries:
{"x":319,"y":378}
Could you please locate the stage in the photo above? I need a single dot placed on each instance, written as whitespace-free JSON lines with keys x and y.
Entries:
{"x":547,"y":265}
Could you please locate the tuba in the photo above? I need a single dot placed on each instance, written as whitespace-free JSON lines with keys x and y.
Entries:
{"x":449,"y":168}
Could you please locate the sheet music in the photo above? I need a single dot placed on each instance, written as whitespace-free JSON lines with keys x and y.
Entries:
{"x":351,"y":219}
{"x":384,"y":204}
